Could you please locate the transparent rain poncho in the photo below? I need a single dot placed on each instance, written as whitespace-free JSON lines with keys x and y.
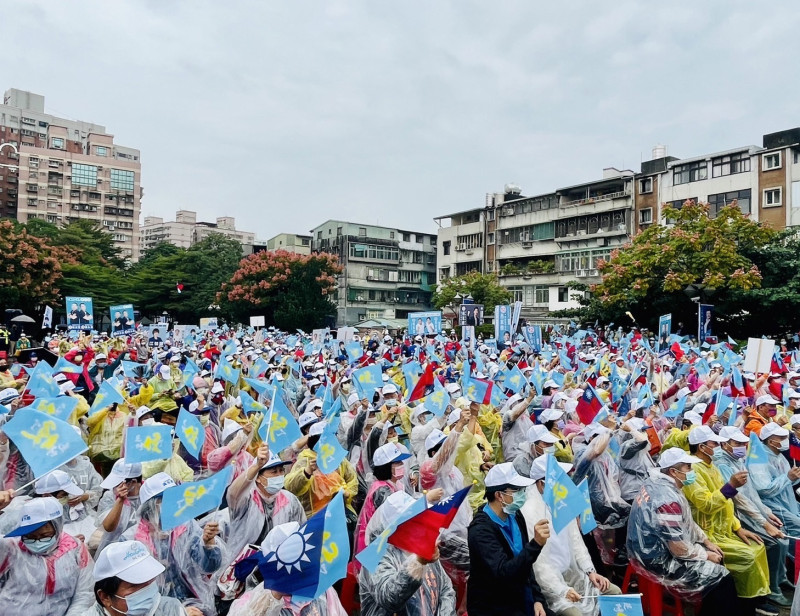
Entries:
{"x":595,"y":463}
{"x":129,"y":517}
{"x":635,"y":464}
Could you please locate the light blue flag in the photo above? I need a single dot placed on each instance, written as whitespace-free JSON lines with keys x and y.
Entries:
{"x":106,"y":396}
{"x":587,"y":521}
{"x":498,"y":398}
{"x":613,"y":444}
{"x":44,"y":441}
{"x":16,"y":369}
{"x":515,"y":380}
{"x":367,"y":380}
{"x":259,"y":367}
{"x":538,"y":379}
{"x":702,"y":367}
{"x":249,"y":405}
{"x":565,"y":360}
{"x":562,"y":496}
{"x":291,"y":341}
{"x":61,"y":407}
{"x":438,"y":400}
{"x":757,"y":455}
{"x":260,"y":387}
{"x":132,"y":369}
{"x":227,"y":372}
{"x":191,"y":432}
{"x":620,"y":605}
{"x":189,"y":500}
{"x":354,"y":351}
{"x":148,"y":443}
{"x":676,"y":408}
{"x":466,"y":375}
{"x":370,"y":557}
{"x":734,"y":413}
{"x":279,"y":428}
{"x":558,"y":377}
{"x":66,"y":367}
{"x":190,"y":369}
{"x":736,"y":379}
{"x":723,"y":402}
{"x":330,"y":452}
{"x":333,"y":409}
{"x":411,"y":372}
{"x":479,"y":367}
{"x":479,"y":391}
{"x":41,"y":382}
{"x":230,"y":347}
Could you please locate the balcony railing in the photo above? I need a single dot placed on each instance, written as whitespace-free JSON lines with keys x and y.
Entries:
{"x":590,"y":200}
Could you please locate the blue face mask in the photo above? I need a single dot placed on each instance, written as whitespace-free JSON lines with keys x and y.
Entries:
{"x":40,"y":546}
{"x":516,"y":504}
{"x":691,"y":477}
{"x":142,"y":601}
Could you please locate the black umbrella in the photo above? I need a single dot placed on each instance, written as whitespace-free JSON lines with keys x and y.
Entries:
{"x":43,"y":354}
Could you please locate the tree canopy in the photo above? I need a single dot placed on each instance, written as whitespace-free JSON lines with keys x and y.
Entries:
{"x":484,"y":288}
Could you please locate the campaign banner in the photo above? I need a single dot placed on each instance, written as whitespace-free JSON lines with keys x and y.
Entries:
{"x":664,"y":332}
{"x":122,"y":320}
{"x":515,"y":318}
{"x":156,"y":333}
{"x":503,"y":328}
{"x":318,"y":338}
{"x":705,"y":320}
{"x":425,"y":323}
{"x":257,"y":321}
{"x":470,"y":314}
{"x":533,"y":336}
{"x":47,"y":321}
{"x":80,"y":314}
{"x":209,"y":323}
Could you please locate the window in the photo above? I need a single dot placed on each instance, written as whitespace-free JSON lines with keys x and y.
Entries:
{"x":444,"y":273}
{"x":121,"y":179}
{"x":516,"y":293}
{"x":690,"y":172}
{"x":645,"y":186}
{"x":372,"y":251}
{"x":406,"y":237}
{"x":729,"y":165}
{"x":319,"y":235}
{"x":446,"y":248}
{"x":720,"y":200}
{"x":57,"y":143}
{"x":646,"y":216}
{"x":563,"y":294}
{"x":84,"y":175}
{"x":490,"y":214}
{"x":391,"y":235}
{"x":100,"y":150}
{"x":771,"y":161}
{"x":433,"y":240}
{"x":541,"y":295}
{"x":362,"y":232}
{"x":490,"y":238}
{"x":772,"y":197}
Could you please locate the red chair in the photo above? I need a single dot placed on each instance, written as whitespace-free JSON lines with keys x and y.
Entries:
{"x":349,"y":597}
{"x":654,"y":595}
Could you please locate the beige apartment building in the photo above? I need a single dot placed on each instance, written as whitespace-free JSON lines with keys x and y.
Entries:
{"x":185,"y":231}
{"x":66,"y":170}
{"x":299,"y":244}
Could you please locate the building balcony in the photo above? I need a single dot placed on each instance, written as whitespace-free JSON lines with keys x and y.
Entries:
{"x":596,"y":205}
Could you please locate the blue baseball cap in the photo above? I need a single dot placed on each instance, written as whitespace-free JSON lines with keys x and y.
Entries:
{"x":36,"y":513}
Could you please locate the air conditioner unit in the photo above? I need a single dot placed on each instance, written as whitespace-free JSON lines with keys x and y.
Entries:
{"x":582,"y":232}
{"x":580,"y":274}
{"x":360,"y":298}
{"x":507,"y":211}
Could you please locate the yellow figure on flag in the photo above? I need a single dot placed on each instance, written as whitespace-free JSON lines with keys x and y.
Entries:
{"x":437,"y":396}
{"x":327,"y":453}
{"x":49,"y":408}
{"x":279,"y":422}
{"x":191,"y":434}
{"x":44,"y":437}
{"x":152,"y":443}
{"x":365,"y":378}
{"x":190,"y":496}
{"x":330,"y":550}
{"x":471,"y":392}
{"x":514,"y":380}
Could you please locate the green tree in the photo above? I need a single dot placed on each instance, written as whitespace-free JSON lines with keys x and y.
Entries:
{"x":290,"y":290}
{"x":484,"y":289}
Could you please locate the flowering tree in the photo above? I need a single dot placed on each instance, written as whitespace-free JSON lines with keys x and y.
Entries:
{"x":289,"y":290}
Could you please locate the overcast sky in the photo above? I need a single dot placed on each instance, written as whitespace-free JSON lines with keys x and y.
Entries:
{"x":287,"y":113}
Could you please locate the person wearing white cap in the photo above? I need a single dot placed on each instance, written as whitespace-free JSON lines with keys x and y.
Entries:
{"x":679,"y":437}
{"x":553,"y":420}
{"x":44,"y":571}
{"x":81,"y":471}
{"x":423,"y":423}
{"x":711,"y":499}
{"x":516,"y":423}
{"x":164,"y":390}
{"x":540,"y":441}
{"x":118,"y":507}
{"x":189,"y":553}
{"x":766,"y":407}
{"x":751,"y":511}
{"x":501,"y":550}
{"x":126,"y":582}
{"x":106,"y":428}
{"x":564,"y":568}
{"x":634,"y":458}
{"x":403,"y":582}
{"x":235,"y":436}
{"x":60,"y":486}
{"x":667,"y":546}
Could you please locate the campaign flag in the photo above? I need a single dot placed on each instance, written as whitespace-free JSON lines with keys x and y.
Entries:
{"x":44,"y":441}
{"x":47,"y":321}
{"x":515,"y":380}
{"x":368,"y":379}
{"x":311,"y":560}
{"x":330,"y":452}
{"x":562,"y":496}
{"x":479,"y":391}
{"x":354,"y":351}
{"x":587,"y":521}
{"x":260,"y":387}
{"x":249,"y":405}
{"x":422,"y":384}
{"x":498,"y":398}
{"x":122,"y":320}
{"x":67,"y":367}
{"x":190,"y":368}
{"x":106,"y":396}
{"x":148,"y":443}
{"x":230,"y":347}
{"x":437,"y":401}
{"x":79,"y":313}
{"x":756,"y":453}
{"x":332,"y":410}
{"x":411,"y":372}
{"x":132,"y":369}
{"x":538,"y":379}
{"x":370,"y":557}
{"x":620,"y":605}
{"x":185,"y":502}
{"x":588,"y":405}
{"x":420,"y":533}
{"x":533,"y":336}
{"x":279,"y":428}
{"x":259,"y":367}
{"x":41,"y":382}
{"x":676,"y":408}
{"x":226,"y":371}
{"x":191,"y":432}
{"x":565,"y":360}
{"x":61,"y":407}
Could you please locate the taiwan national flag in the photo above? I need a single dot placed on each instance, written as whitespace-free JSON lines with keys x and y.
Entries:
{"x":739,"y":387}
{"x":588,"y":405}
{"x":423,"y":385}
{"x":420,"y":534}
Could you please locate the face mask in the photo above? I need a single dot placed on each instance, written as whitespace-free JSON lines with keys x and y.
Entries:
{"x":561,"y":424}
{"x":148,"y":422}
{"x":739,"y":452}
{"x":551,"y":449}
{"x":275,"y":484}
{"x":392,"y":439}
{"x":204,"y":419}
{"x":142,"y":601}
{"x":64,"y":500}
{"x":516,"y":504}
{"x":391,"y":403}
{"x":345,"y":388}
{"x":783,"y":446}
{"x":40,"y":546}
{"x":399,"y":472}
{"x":691,"y":477}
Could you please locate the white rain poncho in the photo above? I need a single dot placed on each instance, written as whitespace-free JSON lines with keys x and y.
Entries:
{"x":401,"y":584}
{"x":129,"y":517}
{"x":515,"y":431}
{"x":56,"y":583}
{"x":595,"y":463}
{"x":635,"y":464}
{"x":777,"y":491}
{"x":664,"y":542}
{"x":260,"y":601}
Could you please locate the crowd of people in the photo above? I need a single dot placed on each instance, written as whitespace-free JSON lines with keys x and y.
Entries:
{"x":667,"y":445}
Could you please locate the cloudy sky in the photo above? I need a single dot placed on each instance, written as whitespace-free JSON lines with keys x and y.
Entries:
{"x":287,"y":113}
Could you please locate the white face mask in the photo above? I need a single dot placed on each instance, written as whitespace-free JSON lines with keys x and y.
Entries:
{"x":148,"y":422}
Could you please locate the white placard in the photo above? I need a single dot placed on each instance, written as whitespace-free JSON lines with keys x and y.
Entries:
{"x":759,"y":355}
{"x":256,"y":321}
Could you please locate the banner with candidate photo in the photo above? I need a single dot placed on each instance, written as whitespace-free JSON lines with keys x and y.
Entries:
{"x":123,"y":322}
{"x":503,"y":318}
{"x":664,"y":332}
{"x":80,"y":314}
{"x":533,"y":336}
{"x":705,"y":325}
{"x":470,"y":314}
{"x":424,"y":323}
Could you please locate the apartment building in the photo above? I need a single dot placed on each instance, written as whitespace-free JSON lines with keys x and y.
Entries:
{"x":299,"y":244}
{"x":67,"y":169}
{"x":388,"y":272}
{"x":186,"y":231}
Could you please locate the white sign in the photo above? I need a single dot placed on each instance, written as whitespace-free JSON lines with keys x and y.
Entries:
{"x":345,"y":334}
{"x":758,"y":357}
{"x":256,"y":321}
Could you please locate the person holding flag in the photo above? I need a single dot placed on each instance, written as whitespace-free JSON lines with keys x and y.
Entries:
{"x":501,"y":551}
{"x":634,"y":460}
{"x":776,"y":481}
{"x":552,"y":418}
{"x":106,"y":429}
{"x":516,"y":423}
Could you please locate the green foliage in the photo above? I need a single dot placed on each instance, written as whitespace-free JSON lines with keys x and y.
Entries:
{"x":484,"y":289}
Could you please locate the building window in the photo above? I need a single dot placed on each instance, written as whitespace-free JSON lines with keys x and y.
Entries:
{"x":563,"y":294}
{"x":646,"y":216}
{"x":772,"y":197}
{"x":57,"y":143}
{"x":541,"y":295}
{"x":444,"y":273}
{"x":446,"y":248}
{"x":516,"y":293}
{"x":100,"y":150}
{"x":84,"y":175}
{"x":362,"y":232}
{"x":645,"y":186}
{"x":771,"y":161}
{"x":729,"y":165}
{"x":433,"y":240}
{"x":406,"y":237}
{"x":490,"y":238}
{"x":490,"y":214}
{"x":391,"y":235}
{"x":690,"y":172}
{"x":319,"y":235}
{"x":720,"y":200}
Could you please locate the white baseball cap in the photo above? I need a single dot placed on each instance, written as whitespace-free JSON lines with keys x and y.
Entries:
{"x":164,"y":371}
{"x":316,"y":403}
{"x":694,"y":418}
{"x":313,"y":383}
{"x":154,"y":486}
{"x":217,"y":388}
{"x":229,"y":427}
{"x":552,"y":414}
{"x":388,"y":454}
{"x":142,"y":410}
{"x":352,"y":399}
{"x":274,"y":460}
{"x":540,"y":433}
{"x":389,"y":388}
{"x":539,"y":467}
{"x":419,"y":410}
{"x":434,"y":438}
{"x":551,"y":384}
{"x":594,"y":429}
{"x":732,"y":433}
{"x":794,"y":420}
{"x":130,"y":561}
{"x":674,"y":456}
{"x":766,"y":399}
{"x":307,"y":418}
{"x":703,"y":434}
{"x":120,"y":472}
{"x":452,"y":388}
{"x":35,"y":513}
{"x":503,"y":475}
{"x":772,"y":429}
{"x":8,"y":394}
{"x":57,"y":481}
{"x":317,"y":428}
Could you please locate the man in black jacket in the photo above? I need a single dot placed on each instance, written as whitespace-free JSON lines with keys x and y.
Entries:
{"x":501,"y":581}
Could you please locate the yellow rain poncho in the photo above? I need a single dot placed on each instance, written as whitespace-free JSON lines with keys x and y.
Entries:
{"x":714,"y":513}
